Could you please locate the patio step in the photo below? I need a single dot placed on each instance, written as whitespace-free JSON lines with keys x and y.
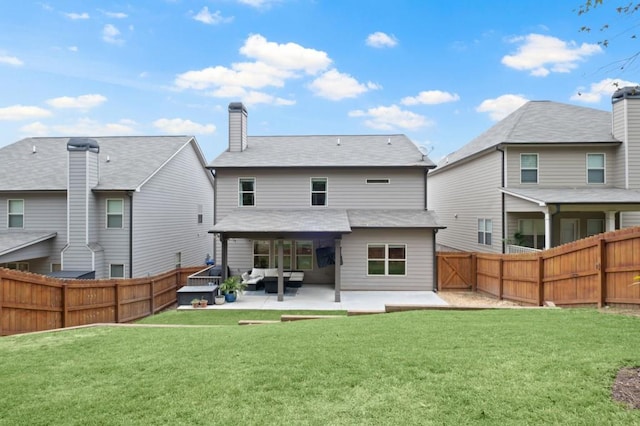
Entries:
{"x":286,"y":318}
{"x":252,"y":322}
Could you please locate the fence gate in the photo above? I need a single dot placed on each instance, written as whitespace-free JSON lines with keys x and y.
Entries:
{"x":455,"y":271}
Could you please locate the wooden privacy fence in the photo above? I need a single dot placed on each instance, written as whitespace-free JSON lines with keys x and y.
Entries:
{"x":598,"y":270}
{"x":31,"y":302}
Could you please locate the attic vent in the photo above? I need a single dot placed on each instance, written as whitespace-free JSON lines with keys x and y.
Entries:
{"x":83,"y":144}
{"x":374,"y":181}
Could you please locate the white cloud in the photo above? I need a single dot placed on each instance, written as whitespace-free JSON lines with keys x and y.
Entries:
{"x":335,"y":85}
{"x":179,"y":126}
{"x":10,"y":60}
{"x":209,"y":18}
{"x":259,"y":4}
{"x":244,"y":74}
{"x":22,"y":112}
{"x":599,"y":89}
{"x":76,"y":16}
{"x":380,"y":40}
{"x":254,"y":98}
{"x":114,"y":15}
{"x":81,"y":102}
{"x":430,"y":97}
{"x":110,"y":34}
{"x":391,"y":117}
{"x":35,"y":129}
{"x":541,"y":55}
{"x":89,"y":127}
{"x":72,"y":48}
{"x":287,"y":56}
{"x":501,"y":106}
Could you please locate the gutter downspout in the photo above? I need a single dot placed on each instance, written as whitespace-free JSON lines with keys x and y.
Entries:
{"x":130,"y":194}
{"x":426,"y":171}
{"x":215,"y":204}
{"x":503,"y":213}
{"x":435,"y":262}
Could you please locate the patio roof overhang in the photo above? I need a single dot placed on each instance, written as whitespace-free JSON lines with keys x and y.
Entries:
{"x":579,"y":199}
{"x":23,"y":245}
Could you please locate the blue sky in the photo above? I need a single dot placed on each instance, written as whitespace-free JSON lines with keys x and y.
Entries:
{"x":441,"y":72}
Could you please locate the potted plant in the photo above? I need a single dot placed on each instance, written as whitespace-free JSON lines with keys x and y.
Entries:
{"x":218,"y":299}
{"x":232,"y":287}
{"x":195,"y":303}
{"x":203,"y":302}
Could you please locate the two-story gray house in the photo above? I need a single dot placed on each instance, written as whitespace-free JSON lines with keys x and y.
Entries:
{"x":104,"y":207}
{"x":349,"y":211}
{"x":548,"y":174}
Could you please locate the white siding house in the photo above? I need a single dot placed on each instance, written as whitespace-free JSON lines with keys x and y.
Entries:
{"x":547,"y":174}
{"x":362,"y":199}
{"x":105,"y":207}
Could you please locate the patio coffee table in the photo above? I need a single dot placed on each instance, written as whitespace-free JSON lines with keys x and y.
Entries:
{"x":189,"y":292}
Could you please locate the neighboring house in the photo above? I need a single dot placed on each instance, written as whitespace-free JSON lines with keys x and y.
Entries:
{"x":349,"y":211}
{"x":547,"y":174}
{"x":104,"y":207}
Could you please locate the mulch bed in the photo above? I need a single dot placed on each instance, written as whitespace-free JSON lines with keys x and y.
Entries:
{"x":626,"y":388}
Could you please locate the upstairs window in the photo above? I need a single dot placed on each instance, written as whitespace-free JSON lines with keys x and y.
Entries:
{"x":318,"y":191}
{"x":115,"y":213}
{"x":247,"y":192}
{"x":595,"y":168}
{"x":528,"y":168}
{"x":485,"y":231}
{"x":15,"y":213}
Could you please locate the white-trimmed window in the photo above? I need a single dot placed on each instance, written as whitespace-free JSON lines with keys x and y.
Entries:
{"x":376,"y":181}
{"x":286,"y":251}
{"x":18,"y":266}
{"x":261,"y":253}
{"x":318,"y":191}
{"x":178,"y":259}
{"x":246,"y":192}
{"x":386,"y":259}
{"x":595,"y":168}
{"x":528,"y":168}
{"x":595,"y":226}
{"x":115,"y":213}
{"x":116,"y":270}
{"x":485,"y":230}
{"x":56,"y":267}
{"x":304,"y":255}
{"x":15,"y":213}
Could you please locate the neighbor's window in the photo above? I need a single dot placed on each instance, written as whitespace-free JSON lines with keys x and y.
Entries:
{"x":55,"y":267}
{"x":115,"y":213}
{"x":304,"y":255}
{"x":595,"y":226}
{"x":595,"y":168}
{"x":318,"y":191}
{"x":116,"y":270}
{"x":178,"y":259}
{"x":200,"y":215}
{"x":286,"y":259}
{"x":18,"y":266}
{"x":528,"y":168}
{"x":247,"y":192}
{"x":531,"y":233}
{"x":261,"y":251}
{"x":485,"y":229}
{"x":386,"y":259}
{"x":15,"y":216}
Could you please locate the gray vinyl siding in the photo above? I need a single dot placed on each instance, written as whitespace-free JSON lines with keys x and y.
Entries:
{"x":462,"y":194}
{"x":618,"y":124}
{"x":515,"y":204}
{"x":560,"y":166}
{"x":347,"y":188}
{"x":44,"y":211}
{"x":113,"y":241}
{"x":633,"y":132}
{"x":419,"y":264}
{"x":165,"y":217}
{"x":629,"y":219}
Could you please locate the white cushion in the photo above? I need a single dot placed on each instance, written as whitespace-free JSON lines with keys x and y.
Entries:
{"x":257,"y":272}
{"x":245,"y":277}
{"x":271,"y":272}
{"x":297,"y":276}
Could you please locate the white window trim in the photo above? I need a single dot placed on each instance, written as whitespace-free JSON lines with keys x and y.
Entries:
{"x":326,"y":192}
{"x":255,"y":190}
{"x":484,"y":231}
{"x":124,"y":271}
{"x":537,"y":169}
{"x":386,"y":260}
{"x":106,"y":213}
{"x":377,"y":181}
{"x":604,"y":168}
{"x":9,"y":214}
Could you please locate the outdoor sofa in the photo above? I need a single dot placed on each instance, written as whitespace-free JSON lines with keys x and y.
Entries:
{"x":267,"y":278}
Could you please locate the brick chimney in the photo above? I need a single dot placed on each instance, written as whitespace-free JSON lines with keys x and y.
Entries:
{"x":237,"y":127}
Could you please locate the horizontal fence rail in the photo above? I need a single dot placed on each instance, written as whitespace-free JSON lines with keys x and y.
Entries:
{"x":31,"y":302}
{"x":598,"y":270}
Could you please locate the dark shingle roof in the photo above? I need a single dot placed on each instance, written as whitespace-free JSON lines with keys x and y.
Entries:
{"x":325,"y":151}
{"x":540,"y":122}
{"x":132,"y":160}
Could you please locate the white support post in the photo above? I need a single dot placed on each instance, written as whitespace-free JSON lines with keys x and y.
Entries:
{"x":610,"y":224}
{"x":338,"y":258}
{"x":547,"y":229}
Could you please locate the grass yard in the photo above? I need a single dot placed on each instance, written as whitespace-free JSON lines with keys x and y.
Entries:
{"x":225,"y":316}
{"x":421,"y":367}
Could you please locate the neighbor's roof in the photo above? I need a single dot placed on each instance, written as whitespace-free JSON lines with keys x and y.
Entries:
{"x":540,"y":122}
{"x":545,"y":196}
{"x":325,"y":151}
{"x":396,"y":218}
{"x":12,"y":241}
{"x":340,"y":221}
{"x":132,"y":160}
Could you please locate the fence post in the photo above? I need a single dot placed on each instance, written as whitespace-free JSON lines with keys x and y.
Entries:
{"x":500,"y":280}
{"x":153,"y":298}
{"x":474,"y":272}
{"x":65,"y":305}
{"x":117,"y":301}
{"x":540,"y":280}
{"x":601,"y":266}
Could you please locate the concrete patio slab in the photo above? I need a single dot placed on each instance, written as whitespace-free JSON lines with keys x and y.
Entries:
{"x":321,"y":298}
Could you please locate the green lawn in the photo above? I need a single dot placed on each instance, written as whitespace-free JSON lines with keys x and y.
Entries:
{"x":422,"y":367}
{"x":225,"y":316}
